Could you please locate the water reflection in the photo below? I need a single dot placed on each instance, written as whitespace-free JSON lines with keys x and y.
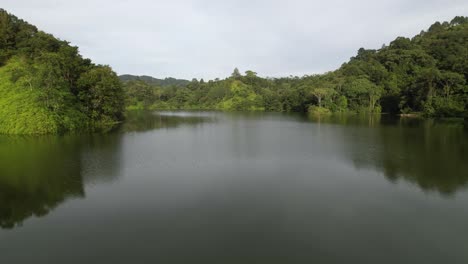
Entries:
{"x":430,"y":154}
{"x":140,"y":121}
{"x":39,"y":173}
{"x":433,"y":154}
{"x":100,"y":157}
{"x":36,"y":175}
{"x":265,"y":188}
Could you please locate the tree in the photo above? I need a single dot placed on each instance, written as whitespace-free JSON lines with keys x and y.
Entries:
{"x":250,"y":74}
{"x":24,"y":72}
{"x":459,"y":20}
{"x":236,"y":74}
{"x":452,"y":83}
{"x":321,"y":93}
{"x":102,"y":94}
{"x":361,"y":93}
{"x":375,"y":93}
{"x":139,"y":94}
{"x":54,"y":87}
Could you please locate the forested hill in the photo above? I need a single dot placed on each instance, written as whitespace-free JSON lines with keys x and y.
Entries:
{"x":427,"y":73}
{"x":47,"y":87}
{"x":154,"y":81}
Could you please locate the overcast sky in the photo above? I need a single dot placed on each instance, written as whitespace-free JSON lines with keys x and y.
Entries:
{"x":208,"y":38}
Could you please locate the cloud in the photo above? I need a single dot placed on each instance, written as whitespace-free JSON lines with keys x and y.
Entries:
{"x":208,"y":38}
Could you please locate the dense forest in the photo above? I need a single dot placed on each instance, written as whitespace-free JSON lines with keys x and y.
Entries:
{"x":47,"y":87}
{"x":154,"y":81}
{"x":426,"y":75}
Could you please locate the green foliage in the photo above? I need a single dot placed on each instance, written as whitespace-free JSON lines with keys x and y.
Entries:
{"x":319,"y":111}
{"x":101,"y":94}
{"x":47,"y":87}
{"x":242,"y":98}
{"x":236,"y":74}
{"x":22,"y":108}
{"x":321,"y":93}
{"x":363,"y":95}
{"x":153,"y":81}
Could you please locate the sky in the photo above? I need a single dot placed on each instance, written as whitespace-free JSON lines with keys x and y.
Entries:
{"x":209,"y":38}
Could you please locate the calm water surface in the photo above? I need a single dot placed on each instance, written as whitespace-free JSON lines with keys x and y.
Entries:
{"x":201,"y":187}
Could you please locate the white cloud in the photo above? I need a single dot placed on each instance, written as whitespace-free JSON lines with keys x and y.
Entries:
{"x":208,"y":38}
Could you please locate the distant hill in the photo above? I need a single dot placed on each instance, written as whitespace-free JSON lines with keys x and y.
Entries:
{"x":154,"y":81}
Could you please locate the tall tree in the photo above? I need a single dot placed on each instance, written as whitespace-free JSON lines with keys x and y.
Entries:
{"x":236,"y":74}
{"x":102,"y":94}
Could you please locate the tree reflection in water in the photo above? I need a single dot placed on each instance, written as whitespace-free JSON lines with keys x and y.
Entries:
{"x":433,"y":154}
{"x":39,"y":173}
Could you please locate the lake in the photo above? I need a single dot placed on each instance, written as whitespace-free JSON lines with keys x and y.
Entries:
{"x":210,"y":187}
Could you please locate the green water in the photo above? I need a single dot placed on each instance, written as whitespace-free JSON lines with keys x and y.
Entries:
{"x":205,"y":187}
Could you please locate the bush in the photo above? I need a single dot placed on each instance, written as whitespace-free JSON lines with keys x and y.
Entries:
{"x":316,"y":110}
